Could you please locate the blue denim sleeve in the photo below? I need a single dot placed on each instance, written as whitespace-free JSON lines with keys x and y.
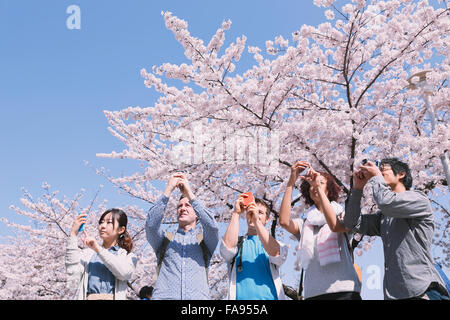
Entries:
{"x":209,"y":224}
{"x":155,"y":235}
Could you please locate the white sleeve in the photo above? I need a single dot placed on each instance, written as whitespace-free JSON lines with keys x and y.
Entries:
{"x":281,"y":258}
{"x":299,"y":223}
{"x":121,"y":266}
{"x":227,"y":253}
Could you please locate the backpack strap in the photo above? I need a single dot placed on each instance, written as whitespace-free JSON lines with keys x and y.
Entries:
{"x":239,"y":247}
{"x":300,"y":286}
{"x":168,"y":236}
{"x":202,"y":244}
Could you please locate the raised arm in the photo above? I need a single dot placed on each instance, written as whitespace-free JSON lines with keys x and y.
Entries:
{"x":205,"y":215}
{"x":154,"y":234}
{"x":74,"y":268}
{"x":230,"y":238}
{"x":271,"y":246}
{"x":285,"y":211}
{"x":368,"y":224}
{"x":408,"y":204}
{"x":209,"y":224}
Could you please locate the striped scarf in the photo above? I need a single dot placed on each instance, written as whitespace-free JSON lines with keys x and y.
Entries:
{"x":327,"y":241}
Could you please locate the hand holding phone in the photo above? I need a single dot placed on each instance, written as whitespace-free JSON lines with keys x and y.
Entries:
{"x":78,"y":224}
{"x":249,"y":199}
{"x":299,"y":169}
{"x":304,"y":173}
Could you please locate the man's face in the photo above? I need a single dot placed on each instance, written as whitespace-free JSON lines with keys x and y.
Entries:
{"x":390,"y":178}
{"x":261,"y":213}
{"x":185,"y":212}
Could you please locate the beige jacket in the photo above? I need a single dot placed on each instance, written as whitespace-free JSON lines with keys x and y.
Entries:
{"x":77,"y":260}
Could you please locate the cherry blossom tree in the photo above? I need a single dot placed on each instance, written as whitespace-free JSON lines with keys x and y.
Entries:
{"x":33,"y":260}
{"x":333,"y":95}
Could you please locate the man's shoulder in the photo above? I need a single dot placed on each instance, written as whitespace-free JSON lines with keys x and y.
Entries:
{"x":417,"y":195}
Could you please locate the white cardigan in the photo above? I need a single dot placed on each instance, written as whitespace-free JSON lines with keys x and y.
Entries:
{"x":274,"y":263}
{"x":77,"y":260}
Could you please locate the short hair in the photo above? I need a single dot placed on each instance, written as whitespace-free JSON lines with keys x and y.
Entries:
{"x":398,"y":167}
{"x":145,"y":291}
{"x":264,"y":204}
{"x":332,"y":188}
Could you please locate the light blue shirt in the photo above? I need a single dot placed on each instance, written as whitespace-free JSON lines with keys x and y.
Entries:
{"x":182,"y":275}
{"x":100,"y":279}
{"x":254,"y":281}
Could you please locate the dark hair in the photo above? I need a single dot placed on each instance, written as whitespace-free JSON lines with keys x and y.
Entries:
{"x":145,"y":291}
{"x":398,"y":167}
{"x":261,"y":202}
{"x":332,"y":188}
{"x":124,"y":241}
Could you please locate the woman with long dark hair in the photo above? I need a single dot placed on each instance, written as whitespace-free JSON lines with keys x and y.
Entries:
{"x":323,"y":251}
{"x":101,"y":272}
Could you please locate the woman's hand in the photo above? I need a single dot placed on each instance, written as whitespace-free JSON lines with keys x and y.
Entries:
{"x":77,"y":224}
{"x":296,"y":168}
{"x":91,"y":242}
{"x":313,"y":178}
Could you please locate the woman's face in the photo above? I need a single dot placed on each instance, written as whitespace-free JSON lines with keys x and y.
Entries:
{"x":313,"y":192}
{"x":109,"y":230}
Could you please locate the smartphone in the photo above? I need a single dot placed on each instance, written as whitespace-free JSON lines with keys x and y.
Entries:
{"x":304,"y":172}
{"x":249,"y":199}
{"x":81,"y":229}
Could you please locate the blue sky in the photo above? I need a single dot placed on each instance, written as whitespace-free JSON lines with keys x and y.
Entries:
{"x":55,"y":83}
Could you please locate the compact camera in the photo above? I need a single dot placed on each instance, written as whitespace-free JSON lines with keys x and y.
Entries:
{"x":305,"y":172}
{"x":377,"y":162}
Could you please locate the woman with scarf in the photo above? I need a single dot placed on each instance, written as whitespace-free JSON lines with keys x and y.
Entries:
{"x":323,"y":250}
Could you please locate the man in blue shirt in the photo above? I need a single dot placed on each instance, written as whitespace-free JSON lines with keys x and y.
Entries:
{"x":182,"y":273}
{"x":253,"y":265}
